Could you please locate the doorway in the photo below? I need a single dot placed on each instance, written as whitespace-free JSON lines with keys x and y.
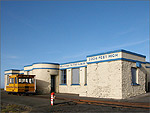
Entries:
{"x":53,"y":83}
{"x":147,"y":84}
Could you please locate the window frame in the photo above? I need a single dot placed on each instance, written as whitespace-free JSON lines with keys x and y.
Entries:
{"x":85,"y":76}
{"x":63,"y":77}
{"x":72,"y":76}
{"x":12,"y":80}
{"x":134,"y":82}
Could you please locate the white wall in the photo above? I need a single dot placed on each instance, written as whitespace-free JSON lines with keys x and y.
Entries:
{"x":133,"y":57}
{"x":105,"y":80}
{"x":76,"y":89}
{"x":129,"y":90}
{"x":43,"y":77}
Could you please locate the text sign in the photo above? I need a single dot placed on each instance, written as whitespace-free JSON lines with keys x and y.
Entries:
{"x":77,"y":64}
{"x":104,"y":57}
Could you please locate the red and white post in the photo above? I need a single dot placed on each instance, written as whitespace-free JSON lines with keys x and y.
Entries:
{"x":52,"y":98}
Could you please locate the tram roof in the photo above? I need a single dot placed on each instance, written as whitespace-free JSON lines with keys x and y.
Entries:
{"x":22,"y":76}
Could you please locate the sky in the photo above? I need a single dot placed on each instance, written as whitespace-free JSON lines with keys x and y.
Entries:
{"x":66,"y":31}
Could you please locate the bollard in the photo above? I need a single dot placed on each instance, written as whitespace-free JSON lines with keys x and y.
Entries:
{"x":52,"y":98}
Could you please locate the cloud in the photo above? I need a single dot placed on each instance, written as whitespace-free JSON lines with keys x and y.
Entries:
{"x":126,"y":31}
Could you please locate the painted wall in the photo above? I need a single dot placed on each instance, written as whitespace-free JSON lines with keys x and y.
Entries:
{"x":43,"y":74}
{"x":129,"y":90}
{"x":109,"y":74}
{"x":76,"y":89}
{"x":105,"y":80}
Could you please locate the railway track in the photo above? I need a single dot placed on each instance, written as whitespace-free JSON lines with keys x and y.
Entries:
{"x":145,"y":106}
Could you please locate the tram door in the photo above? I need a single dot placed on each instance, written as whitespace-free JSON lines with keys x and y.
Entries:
{"x":13,"y":83}
{"x":53,"y":83}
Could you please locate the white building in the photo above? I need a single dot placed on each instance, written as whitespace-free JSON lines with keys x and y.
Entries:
{"x":115,"y":74}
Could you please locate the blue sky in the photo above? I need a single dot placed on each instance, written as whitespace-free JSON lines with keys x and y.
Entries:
{"x":64,"y":31}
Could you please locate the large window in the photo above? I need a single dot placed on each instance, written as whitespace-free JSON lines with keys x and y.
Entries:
{"x":134,"y":76}
{"x":63,"y":76}
{"x":75,"y":76}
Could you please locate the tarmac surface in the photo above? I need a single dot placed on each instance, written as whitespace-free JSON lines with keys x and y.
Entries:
{"x":74,"y":103}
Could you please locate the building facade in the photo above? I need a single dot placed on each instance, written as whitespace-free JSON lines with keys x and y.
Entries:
{"x":116,"y":74}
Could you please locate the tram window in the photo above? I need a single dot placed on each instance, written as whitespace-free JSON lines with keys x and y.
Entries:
{"x":23,"y":80}
{"x":27,"y":80}
{"x":31,"y":80}
{"x":12,"y":80}
{"x":15,"y":80}
{"x":19,"y":80}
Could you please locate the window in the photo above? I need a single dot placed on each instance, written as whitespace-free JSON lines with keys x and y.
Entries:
{"x":63,"y":76}
{"x":30,"y":80}
{"x":15,"y":80}
{"x":11,"y":80}
{"x":85,"y":75}
{"x":19,"y":80}
{"x":75,"y":76}
{"x":23,"y":80}
{"x":134,"y":76}
{"x":26,"y":80}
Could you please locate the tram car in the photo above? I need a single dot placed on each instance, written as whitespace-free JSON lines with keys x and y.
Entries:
{"x":21,"y":84}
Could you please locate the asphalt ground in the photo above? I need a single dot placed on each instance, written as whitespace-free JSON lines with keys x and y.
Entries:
{"x":41,"y":103}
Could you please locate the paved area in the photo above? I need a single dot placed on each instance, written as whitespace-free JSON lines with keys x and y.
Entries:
{"x":41,"y":103}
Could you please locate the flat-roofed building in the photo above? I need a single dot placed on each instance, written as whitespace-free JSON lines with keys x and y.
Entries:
{"x":116,"y":74}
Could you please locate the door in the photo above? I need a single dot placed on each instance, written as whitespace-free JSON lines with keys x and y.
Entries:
{"x":52,"y":83}
{"x":13,"y":84}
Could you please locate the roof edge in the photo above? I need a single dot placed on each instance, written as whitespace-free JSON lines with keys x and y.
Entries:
{"x":41,"y":63}
{"x":120,"y":50}
{"x":12,"y":70}
{"x":73,"y":62}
